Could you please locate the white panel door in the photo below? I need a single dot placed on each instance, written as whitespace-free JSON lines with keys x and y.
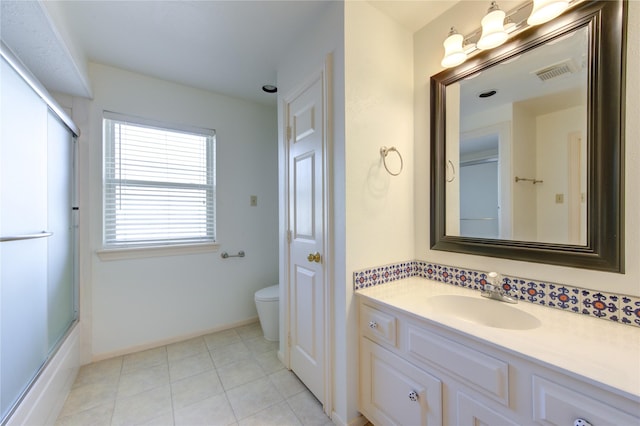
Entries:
{"x":306,"y":251}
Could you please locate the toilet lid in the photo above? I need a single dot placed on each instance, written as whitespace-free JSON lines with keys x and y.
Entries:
{"x":268,"y":294}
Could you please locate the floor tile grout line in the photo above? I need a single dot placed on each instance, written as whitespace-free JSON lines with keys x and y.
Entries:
{"x":115,"y":397}
{"x":254,"y":355}
{"x":173,"y":406}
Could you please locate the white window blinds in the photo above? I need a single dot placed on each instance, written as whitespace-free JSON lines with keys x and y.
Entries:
{"x":159,"y":184}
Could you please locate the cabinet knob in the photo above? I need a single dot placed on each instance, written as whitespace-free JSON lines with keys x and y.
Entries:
{"x":373,"y":324}
{"x":581,"y":422}
{"x":413,"y":396}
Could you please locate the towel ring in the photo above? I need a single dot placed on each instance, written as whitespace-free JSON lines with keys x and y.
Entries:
{"x":383,"y":153}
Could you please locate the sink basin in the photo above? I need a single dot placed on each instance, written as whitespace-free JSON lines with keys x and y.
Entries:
{"x":479,"y":310}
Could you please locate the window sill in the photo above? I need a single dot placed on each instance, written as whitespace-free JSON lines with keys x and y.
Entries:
{"x":157,"y":251}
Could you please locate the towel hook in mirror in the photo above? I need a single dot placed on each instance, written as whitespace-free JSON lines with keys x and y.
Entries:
{"x":383,"y":153}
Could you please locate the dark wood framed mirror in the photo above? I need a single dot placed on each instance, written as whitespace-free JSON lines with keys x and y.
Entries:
{"x":594,"y":221}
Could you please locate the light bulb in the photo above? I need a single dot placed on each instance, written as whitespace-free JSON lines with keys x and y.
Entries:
{"x":454,"y":54}
{"x":493,"y":33}
{"x":545,"y":10}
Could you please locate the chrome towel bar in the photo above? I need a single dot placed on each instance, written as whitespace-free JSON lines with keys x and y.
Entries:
{"x":226,"y":255}
{"x":43,"y":234}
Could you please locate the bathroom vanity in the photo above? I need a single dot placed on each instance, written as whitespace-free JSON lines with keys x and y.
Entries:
{"x":437,"y":354}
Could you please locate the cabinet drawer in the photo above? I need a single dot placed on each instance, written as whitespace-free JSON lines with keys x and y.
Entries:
{"x":394,"y":392}
{"x":377,"y":325}
{"x":486,"y":374}
{"x":554,"y":404}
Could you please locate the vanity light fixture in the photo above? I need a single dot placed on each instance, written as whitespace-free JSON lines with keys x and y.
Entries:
{"x":545,"y":10}
{"x":497,"y":27}
{"x":493,"y":32}
{"x":454,"y":53}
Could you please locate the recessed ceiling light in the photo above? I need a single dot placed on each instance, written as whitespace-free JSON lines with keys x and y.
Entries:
{"x":269,"y":88}
{"x":487,"y":94}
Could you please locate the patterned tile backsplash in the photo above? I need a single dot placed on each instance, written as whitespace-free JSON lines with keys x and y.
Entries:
{"x":618,"y":308}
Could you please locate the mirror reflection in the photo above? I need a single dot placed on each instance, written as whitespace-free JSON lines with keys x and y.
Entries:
{"x":516,"y":147}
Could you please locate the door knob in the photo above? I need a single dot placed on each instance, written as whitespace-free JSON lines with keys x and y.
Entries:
{"x":314,"y":257}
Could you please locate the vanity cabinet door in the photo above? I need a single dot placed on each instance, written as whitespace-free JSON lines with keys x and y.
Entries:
{"x":394,"y":392}
{"x":473,"y":413}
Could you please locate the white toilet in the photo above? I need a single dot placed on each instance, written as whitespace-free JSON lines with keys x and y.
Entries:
{"x":267,"y":300}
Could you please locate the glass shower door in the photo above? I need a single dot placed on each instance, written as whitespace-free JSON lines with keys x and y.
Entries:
{"x":23,"y":250}
{"x":38,"y":284}
{"x":61,"y":297}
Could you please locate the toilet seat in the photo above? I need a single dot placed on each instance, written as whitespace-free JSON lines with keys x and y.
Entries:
{"x":268,"y":294}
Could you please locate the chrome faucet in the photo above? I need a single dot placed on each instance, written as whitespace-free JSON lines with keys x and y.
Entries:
{"x":493,"y":289}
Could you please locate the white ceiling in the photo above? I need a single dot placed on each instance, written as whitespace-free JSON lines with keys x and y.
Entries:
{"x":230,"y":47}
{"x":515,"y":80}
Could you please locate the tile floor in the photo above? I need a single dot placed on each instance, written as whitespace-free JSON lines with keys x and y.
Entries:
{"x":232,"y":377}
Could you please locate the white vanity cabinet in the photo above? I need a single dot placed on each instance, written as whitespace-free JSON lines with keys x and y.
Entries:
{"x":414,"y":371}
{"x":392,"y":390}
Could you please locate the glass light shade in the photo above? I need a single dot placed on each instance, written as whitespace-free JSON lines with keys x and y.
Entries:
{"x":454,"y":54}
{"x":493,"y":33}
{"x":545,"y":10}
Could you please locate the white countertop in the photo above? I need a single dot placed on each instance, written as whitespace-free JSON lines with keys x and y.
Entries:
{"x":598,"y":350}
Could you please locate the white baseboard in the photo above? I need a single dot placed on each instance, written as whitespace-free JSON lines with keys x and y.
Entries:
{"x":44,"y":401}
{"x":163,"y":342}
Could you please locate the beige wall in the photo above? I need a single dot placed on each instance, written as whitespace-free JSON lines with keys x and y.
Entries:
{"x":427,"y":55}
{"x":552,"y":165}
{"x":378,"y":112}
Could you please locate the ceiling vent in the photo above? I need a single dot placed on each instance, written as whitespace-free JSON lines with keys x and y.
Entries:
{"x":566,"y":67}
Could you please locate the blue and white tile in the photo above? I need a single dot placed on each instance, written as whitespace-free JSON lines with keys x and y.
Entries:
{"x":630,"y":310}
{"x":564,"y":297}
{"x":533,"y":291}
{"x":600,"y":305}
{"x":479,"y":281}
{"x":465,"y":278}
{"x":511,"y":287}
{"x":430,"y":272}
{"x":622,"y":309}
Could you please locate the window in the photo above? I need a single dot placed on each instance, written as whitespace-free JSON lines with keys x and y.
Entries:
{"x":159,"y":184}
